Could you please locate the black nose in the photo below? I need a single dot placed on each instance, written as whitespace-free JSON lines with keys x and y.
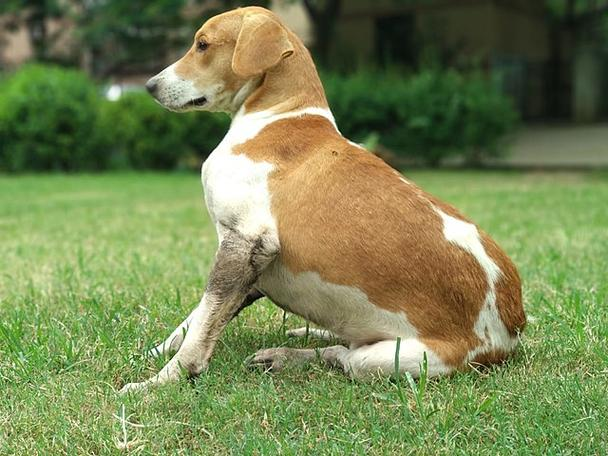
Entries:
{"x":151,"y":86}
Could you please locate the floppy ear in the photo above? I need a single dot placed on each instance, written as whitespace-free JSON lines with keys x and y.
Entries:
{"x":262,"y":43}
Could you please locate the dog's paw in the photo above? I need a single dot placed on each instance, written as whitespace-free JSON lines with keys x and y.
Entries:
{"x":271,"y":359}
{"x":132,"y":388}
{"x":298,"y":332}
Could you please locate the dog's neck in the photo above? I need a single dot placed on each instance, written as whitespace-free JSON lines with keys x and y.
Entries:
{"x":292,"y":85}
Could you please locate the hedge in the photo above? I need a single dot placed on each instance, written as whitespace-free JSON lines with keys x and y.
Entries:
{"x":55,"y":119}
{"x":140,"y":134}
{"x":430,"y":116}
{"x":48,"y":119}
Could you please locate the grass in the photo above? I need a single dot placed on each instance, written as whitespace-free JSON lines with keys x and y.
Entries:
{"x":95,"y":269}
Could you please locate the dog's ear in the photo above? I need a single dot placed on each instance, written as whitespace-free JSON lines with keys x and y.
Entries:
{"x":262,"y":44}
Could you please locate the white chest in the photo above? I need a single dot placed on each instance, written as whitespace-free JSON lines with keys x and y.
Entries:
{"x":236,"y":187}
{"x":236,"y":192}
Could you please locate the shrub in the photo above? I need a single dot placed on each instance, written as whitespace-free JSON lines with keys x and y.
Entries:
{"x":140,"y":134}
{"x":430,"y":113}
{"x":203,"y":132}
{"x":488,"y":116}
{"x":54,"y":119}
{"x":47,"y":120}
{"x":362,"y":103}
{"x":430,"y":116}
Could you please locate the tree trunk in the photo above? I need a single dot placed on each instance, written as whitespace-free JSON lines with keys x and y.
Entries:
{"x":553,"y":91}
{"x":38,"y":34}
{"x":324,"y":24}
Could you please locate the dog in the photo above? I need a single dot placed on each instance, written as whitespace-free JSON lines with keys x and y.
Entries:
{"x":323,"y":228}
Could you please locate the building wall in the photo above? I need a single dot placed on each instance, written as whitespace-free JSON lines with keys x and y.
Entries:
{"x":479,"y":26}
{"x":509,"y":38}
{"x":16,"y":49}
{"x":521,"y":33}
{"x":466,"y":27}
{"x":295,"y":17}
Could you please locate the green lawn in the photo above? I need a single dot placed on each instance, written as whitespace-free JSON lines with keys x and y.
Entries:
{"x":95,"y":269}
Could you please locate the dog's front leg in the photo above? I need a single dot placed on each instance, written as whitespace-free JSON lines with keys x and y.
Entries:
{"x":238,"y":264}
{"x":174,"y":341}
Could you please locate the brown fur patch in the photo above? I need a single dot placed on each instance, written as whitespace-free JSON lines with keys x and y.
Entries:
{"x":213,"y":64}
{"x":345,"y":214}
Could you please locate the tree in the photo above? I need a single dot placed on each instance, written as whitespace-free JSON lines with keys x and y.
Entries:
{"x":124,"y":36}
{"x":323,"y":14}
{"x":586,"y":20}
{"x":34,"y":14}
{"x":137,"y":35}
{"x":586,"y":23}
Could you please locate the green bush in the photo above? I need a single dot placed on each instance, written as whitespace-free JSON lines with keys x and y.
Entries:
{"x":55,"y":119}
{"x":487,"y":117}
{"x":140,"y":134}
{"x":430,"y":116}
{"x":48,"y":118}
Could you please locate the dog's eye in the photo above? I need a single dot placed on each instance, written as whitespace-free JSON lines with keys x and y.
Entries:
{"x":201,"y":46}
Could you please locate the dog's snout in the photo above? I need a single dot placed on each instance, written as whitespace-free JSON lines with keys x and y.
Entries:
{"x":151,"y":86}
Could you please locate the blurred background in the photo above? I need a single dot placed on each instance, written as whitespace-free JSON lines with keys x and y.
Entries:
{"x":477,"y":83}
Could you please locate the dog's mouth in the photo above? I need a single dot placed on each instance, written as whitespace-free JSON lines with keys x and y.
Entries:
{"x":201,"y":101}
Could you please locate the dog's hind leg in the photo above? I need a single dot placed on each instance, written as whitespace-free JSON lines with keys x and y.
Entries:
{"x":380,"y":359}
{"x":275,"y":359}
{"x":304,"y":331}
{"x":360,"y":362}
{"x":174,"y":341}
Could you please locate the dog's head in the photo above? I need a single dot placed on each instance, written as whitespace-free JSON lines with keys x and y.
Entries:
{"x":230,"y":54}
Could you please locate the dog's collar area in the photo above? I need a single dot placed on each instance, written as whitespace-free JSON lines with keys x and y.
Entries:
{"x":197,"y":102}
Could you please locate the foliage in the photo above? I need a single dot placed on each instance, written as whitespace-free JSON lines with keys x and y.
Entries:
{"x":575,"y":9}
{"x":48,"y":120}
{"x":122,"y":36}
{"x":54,"y":119}
{"x":140,"y":134}
{"x":586,"y":20}
{"x":34,"y":14}
{"x":432,"y":115}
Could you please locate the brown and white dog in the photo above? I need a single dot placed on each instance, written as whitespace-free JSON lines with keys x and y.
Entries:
{"x":322,"y":227}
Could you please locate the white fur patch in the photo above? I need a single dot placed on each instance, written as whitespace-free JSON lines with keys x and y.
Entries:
{"x":236,"y":187}
{"x":379,"y":358}
{"x":345,"y":311}
{"x":174,"y":92}
{"x":489,"y":326}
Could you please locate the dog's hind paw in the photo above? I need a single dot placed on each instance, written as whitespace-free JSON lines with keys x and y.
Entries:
{"x":298,"y":332}
{"x":271,"y":359}
{"x":132,"y":388}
